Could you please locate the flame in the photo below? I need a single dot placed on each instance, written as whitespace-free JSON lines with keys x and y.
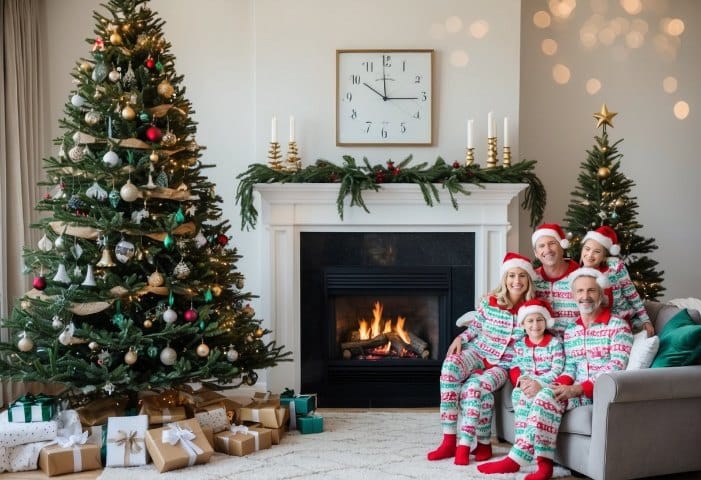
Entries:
{"x":403,"y":334}
{"x":364,"y":329}
{"x":377,"y":318}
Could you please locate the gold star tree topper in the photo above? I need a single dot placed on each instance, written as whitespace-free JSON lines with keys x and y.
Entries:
{"x":604,"y":117}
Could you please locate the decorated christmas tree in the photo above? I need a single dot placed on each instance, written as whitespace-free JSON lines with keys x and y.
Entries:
{"x":135,"y":280}
{"x":603,"y":197}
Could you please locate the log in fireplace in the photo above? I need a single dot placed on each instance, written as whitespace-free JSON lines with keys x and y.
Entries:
{"x":378,"y":312}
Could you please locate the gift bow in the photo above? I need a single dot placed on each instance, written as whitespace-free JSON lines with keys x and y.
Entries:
{"x":239,"y":429}
{"x":176,"y":434}
{"x":72,"y":440}
{"x":129,"y":441}
{"x":288,"y":393}
{"x":27,"y":401}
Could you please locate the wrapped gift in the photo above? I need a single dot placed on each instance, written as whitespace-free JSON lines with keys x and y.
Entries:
{"x":277,"y":434}
{"x":209,"y":435}
{"x":125,"y":441}
{"x":298,"y":404}
{"x":262,"y":436}
{"x":97,"y":435}
{"x":177,"y":445}
{"x":311,"y":423}
{"x":198,"y":400}
{"x":266,"y":410}
{"x":20,"y":458}
{"x":267,"y":399}
{"x":214,"y":417}
{"x":13,"y":434}
{"x":57,"y":460}
{"x":234,"y":443}
{"x":32,"y":408}
{"x":98,"y":411}
{"x":161,"y":415}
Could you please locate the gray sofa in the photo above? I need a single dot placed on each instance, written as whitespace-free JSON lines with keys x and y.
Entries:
{"x":643,"y":423}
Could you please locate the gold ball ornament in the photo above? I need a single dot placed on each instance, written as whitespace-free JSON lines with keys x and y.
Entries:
{"x":92,"y":118}
{"x":93,"y":346}
{"x":165,"y":89}
{"x":169,"y":139}
{"x":130,"y":357}
{"x":148,"y":323}
{"x":603,"y":172}
{"x":216,"y":290}
{"x":259,"y":332}
{"x":619,"y":202}
{"x":128,"y":113}
{"x":153,"y":157}
{"x":126,"y":27}
{"x":86,"y":67}
{"x":116,"y":39}
{"x":25,"y":344}
{"x":156,"y":279}
{"x":202,"y":350}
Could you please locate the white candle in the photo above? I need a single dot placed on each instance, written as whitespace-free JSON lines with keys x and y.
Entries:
{"x":470,"y":137}
{"x":273,"y":130}
{"x":490,"y":125}
{"x":506,"y":131}
{"x":292,"y":128}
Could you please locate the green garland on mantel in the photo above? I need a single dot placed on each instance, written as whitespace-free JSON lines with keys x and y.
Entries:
{"x":354,"y":179}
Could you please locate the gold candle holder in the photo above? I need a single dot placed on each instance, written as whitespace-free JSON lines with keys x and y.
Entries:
{"x":507,"y":157}
{"x":469,"y":156}
{"x":274,"y":156}
{"x":293,"y":162}
{"x":491,"y":152}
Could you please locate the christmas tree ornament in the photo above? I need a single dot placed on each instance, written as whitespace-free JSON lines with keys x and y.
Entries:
{"x":162,"y":179}
{"x":168,"y":241}
{"x":216,"y":290}
{"x":144,"y":116}
{"x":128,"y":113}
{"x":190,"y":315}
{"x":96,"y":191}
{"x":156,"y":279}
{"x":86,"y":67}
{"x":150,"y":185}
{"x":208,"y":297}
{"x":118,"y":319}
{"x":124,"y":251}
{"x":604,"y":116}
{"x":77,"y":153}
{"x":56,"y":323}
{"x":250,"y":378}
{"x":231,"y":354}
{"x":222,"y":239}
{"x":239,"y":283}
{"x":603,"y":172}
{"x":153,"y":157}
{"x":153,"y":134}
{"x":129,"y":77}
{"x":165,"y":89}
{"x":148,"y":323}
{"x":130,"y":357}
{"x":200,"y":239}
{"x":44,"y":244}
{"x":77,"y":101}
{"x":99,"y":73}
{"x":62,"y":275}
{"x":169,"y":139}
{"x":93,"y":345}
{"x":66,"y":337}
{"x":159,"y":66}
{"x":77,"y":272}
{"x":25,"y":344}
{"x":171,"y":298}
{"x":181,"y":270}
{"x":248,"y":310}
{"x":150,"y":63}
{"x":116,"y":39}
{"x":179,"y":216}
{"x":129,"y":192}
{"x":170,"y":315}
{"x":619,"y":202}
{"x":168,"y":356}
{"x":202,"y":349}
{"x":114,"y":76}
{"x":62,"y":152}
{"x":152,"y":351}
{"x":39,"y":282}
{"x":108,"y":388}
{"x":104,"y":358}
{"x":259,"y":332}
{"x":76,"y":204}
{"x":92,"y":118}
{"x":114,"y":198}
{"x":111,"y":159}
{"x":106,"y":259}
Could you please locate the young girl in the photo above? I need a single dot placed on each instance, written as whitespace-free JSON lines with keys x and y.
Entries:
{"x":476,"y":364}
{"x":624,"y":301}
{"x":538,"y":360}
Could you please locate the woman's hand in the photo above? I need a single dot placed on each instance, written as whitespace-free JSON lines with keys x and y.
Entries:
{"x":529,"y":386}
{"x":647,"y":326}
{"x":456,"y":346}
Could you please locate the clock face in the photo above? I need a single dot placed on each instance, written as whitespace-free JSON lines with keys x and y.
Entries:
{"x":384,"y":97}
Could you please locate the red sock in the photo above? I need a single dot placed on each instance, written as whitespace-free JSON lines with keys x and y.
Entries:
{"x":505,"y":465}
{"x":544,"y":472}
{"x":446,"y":449}
{"x":462,"y":455}
{"x":483,"y":451}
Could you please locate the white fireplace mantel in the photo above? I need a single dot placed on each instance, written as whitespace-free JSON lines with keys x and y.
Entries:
{"x":285,"y":210}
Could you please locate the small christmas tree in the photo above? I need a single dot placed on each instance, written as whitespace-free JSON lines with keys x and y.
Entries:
{"x":135,"y":284}
{"x":603,"y":198}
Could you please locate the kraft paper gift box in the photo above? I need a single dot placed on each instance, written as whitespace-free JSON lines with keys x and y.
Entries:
{"x":160,"y":415}
{"x":13,"y":434}
{"x":310,"y":423}
{"x":276,"y":434}
{"x":234,"y":443}
{"x":125,"y":441}
{"x":266,"y":410}
{"x":32,"y":408}
{"x":98,"y":411}
{"x":177,"y":445}
{"x":214,"y":417}
{"x":209,"y":435}
{"x":57,"y":460}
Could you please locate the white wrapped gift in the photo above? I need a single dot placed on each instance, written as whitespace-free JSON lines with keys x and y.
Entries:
{"x":13,"y":434}
{"x":21,"y":457}
{"x":125,"y":441}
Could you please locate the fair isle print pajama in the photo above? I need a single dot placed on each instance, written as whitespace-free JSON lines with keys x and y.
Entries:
{"x":537,"y":421}
{"x":477,"y":406}
{"x":455,"y":370}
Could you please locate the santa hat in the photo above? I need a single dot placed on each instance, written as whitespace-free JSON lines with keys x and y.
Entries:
{"x":550,"y":230}
{"x":514,"y":260}
{"x":601,"y":279}
{"x":607,"y":237}
{"x":536,"y":306}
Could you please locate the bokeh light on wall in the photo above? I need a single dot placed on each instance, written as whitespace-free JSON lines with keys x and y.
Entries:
{"x":541,"y":19}
{"x":593,"y":86}
{"x":588,"y":36}
{"x":453,"y":24}
{"x":669,"y":84}
{"x":561,"y":74}
{"x":607,"y":36}
{"x":681,"y":110}
{"x":562,"y":9}
{"x":640,"y":25}
{"x":549,"y":46}
{"x":632,"y":7}
{"x":479,"y":29}
{"x":675,"y":27}
{"x":599,"y":6}
{"x":620,"y":25}
{"x":459,"y":58}
{"x":635,"y":39}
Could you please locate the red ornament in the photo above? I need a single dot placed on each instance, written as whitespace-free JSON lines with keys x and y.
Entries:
{"x":39,"y":283}
{"x":190,"y":315}
{"x":153,"y":134}
{"x":456,"y":164}
{"x":150,"y":63}
{"x":222,"y":239}
{"x":390,"y":165}
{"x":379,"y":176}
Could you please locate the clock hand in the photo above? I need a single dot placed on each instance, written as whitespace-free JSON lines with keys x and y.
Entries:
{"x":383,"y":97}
{"x":401,"y":98}
{"x":384,"y":78}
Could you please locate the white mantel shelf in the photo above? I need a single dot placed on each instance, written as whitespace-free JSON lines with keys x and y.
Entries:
{"x":491,"y":212}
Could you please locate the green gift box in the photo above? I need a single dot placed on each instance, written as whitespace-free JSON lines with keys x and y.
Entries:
{"x":310,"y":423}
{"x":303,"y":404}
{"x":32,"y":408}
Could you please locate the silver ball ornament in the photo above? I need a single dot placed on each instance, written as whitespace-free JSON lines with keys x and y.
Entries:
{"x":92,"y":118}
{"x":168,"y":356}
{"x":129,"y":192}
{"x":25,"y":344}
{"x":77,"y":101}
{"x":56,"y":323}
{"x":59,"y":242}
{"x":111,"y":159}
{"x":170,"y":315}
{"x":114,"y":75}
{"x":93,"y":346}
{"x":232,"y":355}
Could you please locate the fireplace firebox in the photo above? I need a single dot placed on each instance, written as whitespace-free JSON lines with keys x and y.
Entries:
{"x":378,"y":312}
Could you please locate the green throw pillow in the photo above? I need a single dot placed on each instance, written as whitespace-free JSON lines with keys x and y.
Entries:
{"x":680,"y":342}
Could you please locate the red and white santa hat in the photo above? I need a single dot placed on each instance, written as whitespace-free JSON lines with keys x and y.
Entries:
{"x":607,"y":237}
{"x":536,"y":306}
{"x":514,"y":260}
{"x":601,"y":279}
{"x":551,"y":230}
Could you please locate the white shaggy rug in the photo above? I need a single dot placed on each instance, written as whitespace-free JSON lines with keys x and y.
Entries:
{"x":354,"y":445}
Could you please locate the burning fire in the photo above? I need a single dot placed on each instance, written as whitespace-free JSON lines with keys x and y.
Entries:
{"x":369,"y":330}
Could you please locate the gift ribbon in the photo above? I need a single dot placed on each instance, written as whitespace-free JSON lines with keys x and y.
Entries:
{"x":72,"y":440}
{"x":244,"y":429}
{"x":129,"y":441}
{"x":25,"y":407}
{"x":176,"y":434}
{"x":77,"y":459}
{"x":167,"y":417}
{"x":293,"y":415}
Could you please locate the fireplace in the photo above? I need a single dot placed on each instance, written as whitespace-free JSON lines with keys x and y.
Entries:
{"x":378,"y":312}
{"x":292,"y":214}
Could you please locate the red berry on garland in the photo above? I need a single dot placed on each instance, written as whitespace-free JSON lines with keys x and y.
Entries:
{"x":396,"y":171}
{"x":222,"y":239}
{"x":380,"y":177}
{"x":333,"y":177}
{"x":150,"y":63}
{"x":456,"y":164}
{"x":39,"y":283}
{"x":190,"y":315}
{"x":390,"y":165}
{"x":153,"y":134}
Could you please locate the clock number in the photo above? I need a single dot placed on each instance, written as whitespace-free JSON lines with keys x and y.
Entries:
{"x":367,"y":127}
{"x":383,"y":132}
{"x":387,"y":59}
{"x":349,"y":96}
{"x":417,"y":79}
{"x":402,"y":127}
{"x":403,"y":65}
{"x":354,"y":114}
{"x":369,"y":66}
{"x":355,"y":79}
{"x":423,"y":97}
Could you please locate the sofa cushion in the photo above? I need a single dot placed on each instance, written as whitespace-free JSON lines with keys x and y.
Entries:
{"x":577,"y":420}
{"x":643,"y":352}
{"x":680,"y":342}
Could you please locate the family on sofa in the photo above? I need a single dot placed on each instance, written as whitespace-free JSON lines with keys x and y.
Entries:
{"x":549,"y":334}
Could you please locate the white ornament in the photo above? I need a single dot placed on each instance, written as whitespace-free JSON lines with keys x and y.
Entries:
{"x":181,"y":270}
{"x":59,"y":242}
{"x":76,"y":153}
{"x":170,"y":315}
{"x":129,"y":192}
{"x":96,"y":192}
{"x":62,"y":275}
{"x":45,"y":245}
{"x":111,"y":159}
{"x":89,"y":278}
{"x":66,"y":337}
{"x":231,"y":354}
{"x":77,"y":101}
{"x":202,"y":350}
{"x":124,"y":251}
{"x":93,"y":345}
{"x":109,"y":388}
{"x":200,"y":240}
{"x":77,"y":251}
{"x":114,"y":75}
{"x":56,"y":323}
{"x":168,"y":356}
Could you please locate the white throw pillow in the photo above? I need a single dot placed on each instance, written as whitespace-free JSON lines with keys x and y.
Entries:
{"x":643,"y":351}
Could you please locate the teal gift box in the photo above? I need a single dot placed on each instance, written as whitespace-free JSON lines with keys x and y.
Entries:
{"x":303,"y":404}
{"x":310,"y":423}
{"x":32,"y":408}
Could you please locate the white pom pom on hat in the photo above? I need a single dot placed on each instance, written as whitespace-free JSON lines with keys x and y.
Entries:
{"x":607,"y":237}
{"x":550,"y":230}
{"x":536,"y":306}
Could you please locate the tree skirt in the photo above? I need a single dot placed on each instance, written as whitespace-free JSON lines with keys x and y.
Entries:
{"x":354,"y":445}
